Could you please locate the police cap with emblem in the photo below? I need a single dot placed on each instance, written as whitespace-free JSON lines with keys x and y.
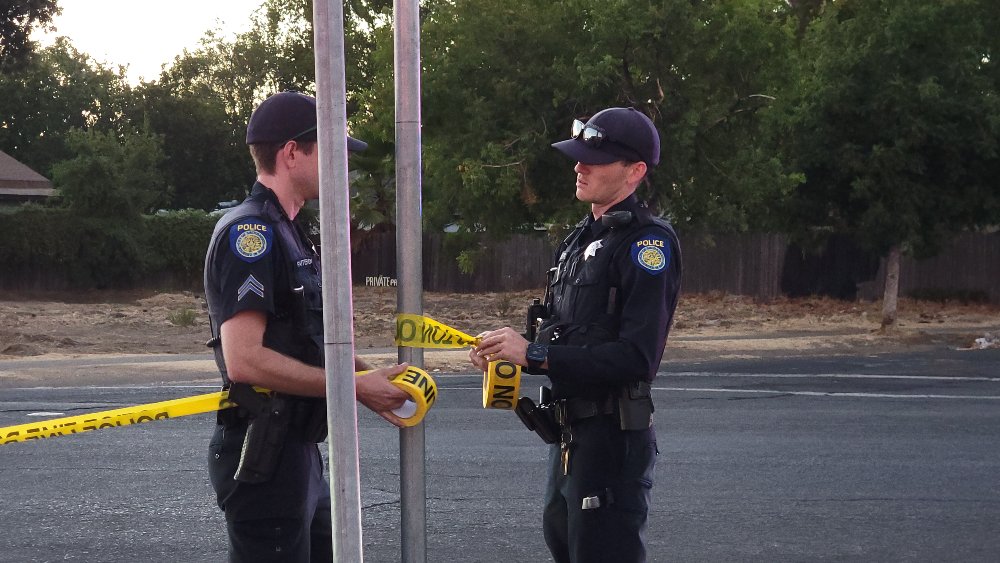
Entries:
{"x":612,"y":135}
{"x":286,"y":116}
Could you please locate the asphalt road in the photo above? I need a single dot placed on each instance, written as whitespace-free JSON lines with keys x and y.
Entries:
{"x":885,"y":458}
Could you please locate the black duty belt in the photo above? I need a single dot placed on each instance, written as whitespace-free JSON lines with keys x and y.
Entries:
{"x":571,"y":410}
{"x":238,"y":417}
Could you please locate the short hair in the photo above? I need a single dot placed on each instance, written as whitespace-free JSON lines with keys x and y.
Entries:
{"x":265,"y":155}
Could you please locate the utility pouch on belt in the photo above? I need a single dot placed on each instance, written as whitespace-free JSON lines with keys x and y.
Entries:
{"x":266,"y":433}
{"x":314,"y":428}
{"x":635,"y":406}
{"x":538,"y":419}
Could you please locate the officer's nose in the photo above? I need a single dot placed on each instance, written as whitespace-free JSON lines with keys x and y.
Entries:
{"x":581,"y":168}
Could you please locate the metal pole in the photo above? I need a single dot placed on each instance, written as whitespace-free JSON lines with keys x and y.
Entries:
{"x":409,"y":252}
{"x":334,"y":213}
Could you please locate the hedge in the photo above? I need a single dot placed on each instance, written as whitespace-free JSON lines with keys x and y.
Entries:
{"x":43,"y":248}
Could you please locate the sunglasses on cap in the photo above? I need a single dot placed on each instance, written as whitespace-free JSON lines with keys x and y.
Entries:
{"x":306,"y":132}
{"x":590,"y":134}
{"x":594,"y":137}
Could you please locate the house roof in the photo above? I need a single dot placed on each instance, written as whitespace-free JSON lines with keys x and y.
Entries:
{"x":16,"y":179}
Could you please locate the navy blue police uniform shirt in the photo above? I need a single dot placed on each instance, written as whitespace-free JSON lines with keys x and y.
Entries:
{"x":248,"y":263}
{"x":646,"y":273}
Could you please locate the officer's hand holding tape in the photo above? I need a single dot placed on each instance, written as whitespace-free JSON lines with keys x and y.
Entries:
{"x":375,"y":391}
{"x":417,"y":387}
{"x":503,"y":344}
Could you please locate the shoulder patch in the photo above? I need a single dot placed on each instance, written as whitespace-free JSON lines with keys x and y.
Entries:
{"x":651,"y":253}
{"x":251,"y":239}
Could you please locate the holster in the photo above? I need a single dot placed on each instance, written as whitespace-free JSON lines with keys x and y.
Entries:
{"x":635,"y":406}
{"x":271,"y":418}
{"x":538,"y":419}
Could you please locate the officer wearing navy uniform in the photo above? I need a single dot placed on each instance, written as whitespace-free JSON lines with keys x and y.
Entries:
{"x":263,"y":287}
{"x":602,"y":329}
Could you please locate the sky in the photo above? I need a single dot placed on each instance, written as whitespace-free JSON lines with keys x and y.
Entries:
{"x":144,"y":35}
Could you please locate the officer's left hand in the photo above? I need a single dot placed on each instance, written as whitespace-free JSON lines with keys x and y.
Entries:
{"x":375,"y":391}
{"x":504,"y":344}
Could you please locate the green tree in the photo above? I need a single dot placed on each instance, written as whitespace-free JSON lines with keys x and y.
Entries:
{"x":205,"y":154}
{"x":18,"y":18}
{"x":895,"y":121}
{"x":705,"y":72}
{"x":111,"y":177}
{"x":493,"y":73}
{"x":59,"y":89}
{"x":503,"y":80}
{"x":275,"y":55}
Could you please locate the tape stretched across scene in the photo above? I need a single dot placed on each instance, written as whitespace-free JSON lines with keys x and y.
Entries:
{"x":417,"y":331}
{"x":114,"y":418}
{"x":416,"y":382}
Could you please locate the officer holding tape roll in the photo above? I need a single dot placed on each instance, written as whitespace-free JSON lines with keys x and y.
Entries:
{"x":262,"y":284}
{"x":600,"y":336}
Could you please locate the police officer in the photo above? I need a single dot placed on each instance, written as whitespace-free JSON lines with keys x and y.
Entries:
{"x":609,"y":305}
{"x":262,"y":284}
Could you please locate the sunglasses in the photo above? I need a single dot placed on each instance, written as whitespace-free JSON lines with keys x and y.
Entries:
{"x":297,"y":135}
{"x":590,"y":134}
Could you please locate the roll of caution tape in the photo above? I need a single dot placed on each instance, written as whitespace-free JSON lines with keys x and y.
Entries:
{"x":422,"y":391}
{"x":114,"y":418}
{"x":501,"y":383}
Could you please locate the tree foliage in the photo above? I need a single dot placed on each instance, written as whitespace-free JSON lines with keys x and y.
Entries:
{"x":896,"y":122}
{"x":111,"y":177}
{"x":58,"y":90}
{"x":875,"y":119}
{"x":18,"y":18}
{"x":503,"y":80}
{"x":205,"y":154}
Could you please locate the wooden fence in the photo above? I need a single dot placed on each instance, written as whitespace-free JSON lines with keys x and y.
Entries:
{"x":764,"y":266}
{"x":969,"y":266}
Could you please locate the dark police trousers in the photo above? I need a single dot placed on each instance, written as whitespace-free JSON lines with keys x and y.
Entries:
{"x":616,"y":467}
{"x":285,"y":519}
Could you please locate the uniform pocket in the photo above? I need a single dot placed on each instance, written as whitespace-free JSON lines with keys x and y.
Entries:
{"x":633,"y":491}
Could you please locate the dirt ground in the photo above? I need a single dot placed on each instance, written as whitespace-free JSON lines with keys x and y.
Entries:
{"x":706,"y":326}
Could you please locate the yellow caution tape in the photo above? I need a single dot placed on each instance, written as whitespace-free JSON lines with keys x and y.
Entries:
{"x":411,"y":330}
{"x":114,"y":418}
{"x":421,"y":388}
{"x":415,"y":381}
{"x":416,"y":331}
{"x":501,"y":380}
{"x":501,"y":383}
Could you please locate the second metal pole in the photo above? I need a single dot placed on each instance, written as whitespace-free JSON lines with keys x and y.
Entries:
{"x":409,"y":267}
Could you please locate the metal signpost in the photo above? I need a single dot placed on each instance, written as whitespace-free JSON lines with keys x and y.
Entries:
{"x":334,"y":212}
{"x":409,"y":267}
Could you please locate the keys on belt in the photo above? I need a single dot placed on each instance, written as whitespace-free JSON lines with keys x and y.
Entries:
{"x":565,"y":435}
{"x":565,"y":447}
{"x":568,"y":411}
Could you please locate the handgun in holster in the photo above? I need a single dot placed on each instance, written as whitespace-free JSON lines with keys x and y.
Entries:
{"x":539,"y":419}
{"x":635,"y":406}
{"x":270,"y":419}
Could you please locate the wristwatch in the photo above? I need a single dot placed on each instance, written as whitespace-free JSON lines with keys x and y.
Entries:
{"x":536,"y":355}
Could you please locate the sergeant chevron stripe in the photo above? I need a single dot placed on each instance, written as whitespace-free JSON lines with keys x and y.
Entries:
{"x":250,"y":285}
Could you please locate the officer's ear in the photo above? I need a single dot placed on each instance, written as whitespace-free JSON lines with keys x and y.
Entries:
{"x":289,"y":153}
{"x":636,"y":172}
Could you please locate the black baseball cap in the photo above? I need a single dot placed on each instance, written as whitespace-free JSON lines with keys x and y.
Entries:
{"x":611,"y":135}
{"x":286,"y":116}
